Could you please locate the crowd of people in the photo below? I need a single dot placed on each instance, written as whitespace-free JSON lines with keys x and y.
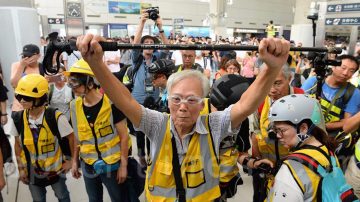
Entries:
{"x":195,"y":116}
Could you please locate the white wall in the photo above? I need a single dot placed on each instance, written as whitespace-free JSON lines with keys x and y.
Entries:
{"x":251,"y":14}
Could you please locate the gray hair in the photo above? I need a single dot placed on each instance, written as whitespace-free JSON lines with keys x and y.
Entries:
{"x":285,"y":70}
{"x":178,"y":76}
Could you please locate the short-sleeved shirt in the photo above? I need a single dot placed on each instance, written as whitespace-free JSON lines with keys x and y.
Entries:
{"x":64,"y":126}
{"x":141,"y":76}
{"x":353,"y":105}
{"x":152,"y":122}
{"x":92,"y":112}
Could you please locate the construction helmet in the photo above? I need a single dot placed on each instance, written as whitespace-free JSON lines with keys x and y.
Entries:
{"x":227,"y":90}
{"x":80,"y":67}
{"x":296,"y":108}
{"x":32,"y":85}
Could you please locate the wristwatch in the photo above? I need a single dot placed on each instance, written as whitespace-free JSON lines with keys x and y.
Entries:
{"x":161,"y":31}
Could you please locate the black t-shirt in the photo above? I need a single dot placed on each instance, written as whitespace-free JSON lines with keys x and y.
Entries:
{"x":92,"y":112}
{"x":3,"y":91}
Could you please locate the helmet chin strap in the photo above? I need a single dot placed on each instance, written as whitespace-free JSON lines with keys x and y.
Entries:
{"x":86,"y":88}
{"x":302,"y":137}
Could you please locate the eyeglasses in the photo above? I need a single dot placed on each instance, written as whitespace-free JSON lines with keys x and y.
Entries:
{"x":23,"y":97}
{"x":191,"y":100}
{"x":280,"y":131}
{"x":74,"y":82}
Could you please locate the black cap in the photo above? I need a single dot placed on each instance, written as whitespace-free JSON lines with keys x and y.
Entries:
{"x":156,"y":40}
{"x":30,"y":50}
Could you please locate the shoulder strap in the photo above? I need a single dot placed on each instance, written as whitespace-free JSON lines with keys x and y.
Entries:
{"x":18,"y":121}
{"x":52,"y":120}
{"x":348,"y":93}
{"x":337,"y":96}
{"x":136,"y":67}
{"x":41,"y":69}
{"x":180,"y":191}
{"x":311,"y":162}
{"x":19,"y":124}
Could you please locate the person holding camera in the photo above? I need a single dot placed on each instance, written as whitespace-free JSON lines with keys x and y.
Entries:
{"x":339,"y":99}
{"x":101,"y":137}
{"x":161,"y":71}
{"x":43,"y":140}
{"x":141,"y":59}
{"x":28,"y":64}
{"x":265,"y":146}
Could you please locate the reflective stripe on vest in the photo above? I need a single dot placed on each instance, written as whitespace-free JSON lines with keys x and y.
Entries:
{"x":228,"y":154}
{"x":199,"y":169}
{"x":228,"y":164}
{"x":334,"y":113}
{"x":108,"y":140}
{"x":357,"y":150}
{"x":307,"y":180}
{"x":49,"y":156}
{"x":206,"y":110}
{"x":265,"y":144}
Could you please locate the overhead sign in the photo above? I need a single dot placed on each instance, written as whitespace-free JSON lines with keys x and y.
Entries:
{"x":343,"y":7}
{"x":342,"y":21}
{"x":55,"y":20}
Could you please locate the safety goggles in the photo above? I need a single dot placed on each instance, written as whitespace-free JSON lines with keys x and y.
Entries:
{"x":191,"y":100}
{"x":23,"y":97}
{"x":74,"y":82}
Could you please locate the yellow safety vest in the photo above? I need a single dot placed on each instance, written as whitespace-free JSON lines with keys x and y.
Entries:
{"x":101,"y":135}
{"x":199,"y":170}
{"x":49,"y":156}
{"x":265,"y":144}
{"x":307,"y":180}
{"x":357,"y":150}
{"x":270,"y":31}
{"x":228,"y":155}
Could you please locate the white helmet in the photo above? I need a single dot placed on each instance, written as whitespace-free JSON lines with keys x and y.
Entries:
{"x":296,"y":108}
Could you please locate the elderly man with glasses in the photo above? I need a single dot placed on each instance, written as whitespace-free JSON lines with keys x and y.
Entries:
{"x":185,"y":145}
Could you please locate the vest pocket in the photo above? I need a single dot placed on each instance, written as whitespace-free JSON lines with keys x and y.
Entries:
{"x":163,"y":174}
{"x":195,"y":179}
{"x":105,"y":131}
{"x":48,"y":148}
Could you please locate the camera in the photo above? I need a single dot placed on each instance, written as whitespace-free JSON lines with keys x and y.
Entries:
{"x":153,"y":13}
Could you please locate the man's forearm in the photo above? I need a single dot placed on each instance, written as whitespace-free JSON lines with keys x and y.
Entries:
{"x":255,"y":94}
{"x":137,"y":37}
{"x":3,"y":107}
{"x":335,"y":125}
{"x":124,"y":147}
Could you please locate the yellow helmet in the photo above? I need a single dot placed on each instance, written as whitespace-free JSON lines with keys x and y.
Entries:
{"x":80,"y":67}
{"x":32,"y":85}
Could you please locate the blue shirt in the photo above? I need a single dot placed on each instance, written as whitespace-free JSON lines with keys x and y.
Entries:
{"x":139,"y":89}
{"x":353,"y":105}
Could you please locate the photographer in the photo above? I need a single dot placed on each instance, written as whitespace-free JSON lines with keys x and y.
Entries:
{"x":161,"y":70}
{"x":142,"y":85}
{"x":339,"y":98}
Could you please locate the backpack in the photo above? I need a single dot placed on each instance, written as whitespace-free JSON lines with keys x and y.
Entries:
{"x":5,"y":147}
{"x":332,"y":186}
